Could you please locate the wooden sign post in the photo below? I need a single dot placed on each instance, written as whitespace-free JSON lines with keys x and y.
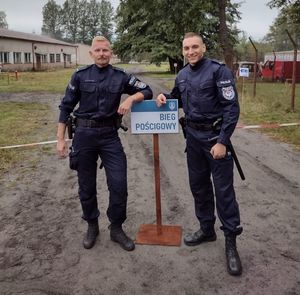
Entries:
{"x":156,"y":234}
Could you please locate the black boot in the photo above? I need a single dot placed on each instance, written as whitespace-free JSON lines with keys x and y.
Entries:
{"x":91,"y":235}
{"x":234,"y":265}
{"x":117,"y":235}
{"x":199,"y":237}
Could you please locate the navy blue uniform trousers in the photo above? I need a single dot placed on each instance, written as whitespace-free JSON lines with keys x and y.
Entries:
{"x":88,"y":145}
{"x":201,"y":165}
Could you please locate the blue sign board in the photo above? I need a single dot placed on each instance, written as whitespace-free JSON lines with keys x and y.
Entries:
{"x":147,"y":118}
{"x":244,"y":72}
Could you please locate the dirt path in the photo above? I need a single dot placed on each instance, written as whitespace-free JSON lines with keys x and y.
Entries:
{"x":41,"y":230}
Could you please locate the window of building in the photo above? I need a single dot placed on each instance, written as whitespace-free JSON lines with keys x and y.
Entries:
{"x":17,"y":57}
{"x":27,"y":57}
{"x":44,"y":58}
{"x":58,"y":57}
{"x":52,"y":58}
{"x":4,"y":57}
{"x":68,"y":57}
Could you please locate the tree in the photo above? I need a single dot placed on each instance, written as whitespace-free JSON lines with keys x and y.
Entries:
{"x":94,"y":12}
{"x":83,"y":23}
{"x":52,"y":20}
{"x":81,"y":20}
{"x":158,"y":26}
{"x":244,"y":50}
{"x":71,"y":19}
{"x":290,"y":8}
{"x":3,"y":22}
{"x":106,"y":15}
{"x":226,"y":12}
{"x":277,"y":35}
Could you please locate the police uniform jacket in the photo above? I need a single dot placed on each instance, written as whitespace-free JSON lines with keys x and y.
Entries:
{"x":98,"y":92}
{"x":207,"y":92}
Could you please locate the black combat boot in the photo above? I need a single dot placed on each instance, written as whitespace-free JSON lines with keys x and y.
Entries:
{"x":198,"y":237}
{"x":234,"y":265}
{"x":91,"y":234}
{"x":117,"y":235}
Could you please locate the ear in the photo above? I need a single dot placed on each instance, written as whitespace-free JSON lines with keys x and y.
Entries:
{"x":204,"y":48}
{"x":91,"y":54}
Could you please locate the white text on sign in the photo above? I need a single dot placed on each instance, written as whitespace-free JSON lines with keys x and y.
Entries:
{"x":147,"y":118}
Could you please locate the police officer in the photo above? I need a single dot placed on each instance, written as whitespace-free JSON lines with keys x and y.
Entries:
{"x":97,"y":89}
{"x":207,"y":92}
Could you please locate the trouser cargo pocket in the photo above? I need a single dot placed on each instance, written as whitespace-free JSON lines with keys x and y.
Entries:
{"x":74,"y":160}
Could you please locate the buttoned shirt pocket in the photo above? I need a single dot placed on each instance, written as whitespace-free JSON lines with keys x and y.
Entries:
{"x":115,"y":88}
{"x":203,"y":97}
{"x":88,"y":101}
{"x":206,"y":90}
{"x":114,"y":91}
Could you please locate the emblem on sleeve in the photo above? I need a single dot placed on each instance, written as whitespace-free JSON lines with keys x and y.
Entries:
{"x":228,"y":92}
{"x":71,"y":87}
{"x":140,"y":85}
{"x":132,"y":80}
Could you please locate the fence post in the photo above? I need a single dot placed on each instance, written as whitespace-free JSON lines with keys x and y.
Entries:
{"x":255,"y":69}
{"x":294,"y":72}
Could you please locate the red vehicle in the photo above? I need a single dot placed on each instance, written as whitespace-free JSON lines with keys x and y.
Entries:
{"x":280,"y":70}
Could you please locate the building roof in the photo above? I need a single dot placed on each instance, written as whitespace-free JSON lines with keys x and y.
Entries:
{"x":4,"y":33}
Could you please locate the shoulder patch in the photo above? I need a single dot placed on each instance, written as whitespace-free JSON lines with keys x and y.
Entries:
{"x":228,"y":92}
{"x":83,"y":68}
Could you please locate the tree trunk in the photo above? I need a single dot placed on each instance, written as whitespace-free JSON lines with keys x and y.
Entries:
{"x":225,"y":41}
{"x":175,"y":65}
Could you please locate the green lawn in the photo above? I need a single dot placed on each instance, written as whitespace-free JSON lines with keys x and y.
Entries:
{"x":19,"y":123}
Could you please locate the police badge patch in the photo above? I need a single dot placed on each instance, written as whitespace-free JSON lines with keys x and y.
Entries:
{"x":228,"y":92}
{"x":140,"y":85}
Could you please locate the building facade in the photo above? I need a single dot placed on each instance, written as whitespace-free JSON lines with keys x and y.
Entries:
{"x":23,"y":52}
{"x":282,"y":56}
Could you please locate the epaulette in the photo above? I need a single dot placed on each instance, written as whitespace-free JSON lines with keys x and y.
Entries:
{"x":118,"y":69}
{"x":83,"y":68}
{"x":220,"y":63}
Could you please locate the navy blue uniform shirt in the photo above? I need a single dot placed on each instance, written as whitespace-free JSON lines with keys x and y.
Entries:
{"x":98,"y":92}
{"x":207,"y":91}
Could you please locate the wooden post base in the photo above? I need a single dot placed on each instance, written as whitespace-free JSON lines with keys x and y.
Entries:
{"x":153,"y":234}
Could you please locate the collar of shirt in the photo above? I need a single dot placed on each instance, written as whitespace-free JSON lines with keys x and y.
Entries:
{"x":102,"y":70}
{"x":198,"y":64}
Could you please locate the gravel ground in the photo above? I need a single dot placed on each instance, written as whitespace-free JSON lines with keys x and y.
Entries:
{"x":41,"y":227}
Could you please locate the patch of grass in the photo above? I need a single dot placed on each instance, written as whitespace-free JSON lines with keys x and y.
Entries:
{"x":18,"y":125}
{"x":50,"y":81}
{"x":146,"y":67}
{"x":272,"y":104}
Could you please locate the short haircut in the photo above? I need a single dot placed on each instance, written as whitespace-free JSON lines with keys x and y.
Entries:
{"x":192,"y":34}
{"x":100,"y":39}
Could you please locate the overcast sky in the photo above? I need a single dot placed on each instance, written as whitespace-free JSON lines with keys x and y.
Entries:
{"x":26,"y":15}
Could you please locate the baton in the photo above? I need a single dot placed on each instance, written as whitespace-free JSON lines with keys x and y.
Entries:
{"x":236,"y":161}
{"x":234,"y":156}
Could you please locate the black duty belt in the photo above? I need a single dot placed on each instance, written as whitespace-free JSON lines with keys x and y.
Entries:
{"x":200,"y":126}
{"x":94,"y":123}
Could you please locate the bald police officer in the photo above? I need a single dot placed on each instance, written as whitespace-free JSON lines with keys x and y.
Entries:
{"x":97,"y":90}
{"x":209,"y":99}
